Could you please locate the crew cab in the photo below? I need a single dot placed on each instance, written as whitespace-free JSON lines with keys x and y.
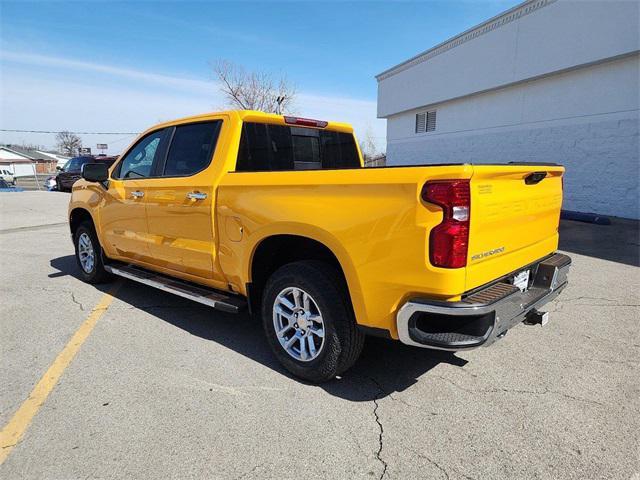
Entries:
{"x":276,"y":214}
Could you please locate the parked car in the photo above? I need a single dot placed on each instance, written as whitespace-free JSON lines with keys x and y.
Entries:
{"x":70,"y":173}
{"x":275,"y":213}
{"x":6,"y":187}
{"x":51,"y":184}
{"x":7,"y":176}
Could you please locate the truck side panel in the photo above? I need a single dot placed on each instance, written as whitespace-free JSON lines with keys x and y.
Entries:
{"x":373,"y":220}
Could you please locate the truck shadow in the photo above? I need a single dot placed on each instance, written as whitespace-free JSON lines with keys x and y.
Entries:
{"x":385,"y":366}
{"x":618,"y":242}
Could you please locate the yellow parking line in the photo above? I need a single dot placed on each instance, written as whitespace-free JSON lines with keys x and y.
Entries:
{"x":13,"y":431}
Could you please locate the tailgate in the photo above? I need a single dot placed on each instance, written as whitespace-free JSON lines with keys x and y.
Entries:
{"x":515,"y":210}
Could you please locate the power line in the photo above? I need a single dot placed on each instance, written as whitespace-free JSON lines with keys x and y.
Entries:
{"x":77,"y":133}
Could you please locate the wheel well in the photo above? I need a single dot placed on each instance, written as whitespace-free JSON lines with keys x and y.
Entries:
{"x":278,"y":250}
{"x":78,"y":216}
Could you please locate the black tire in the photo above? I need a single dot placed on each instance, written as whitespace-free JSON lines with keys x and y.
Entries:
{"x":97,"y":274}
{"x":343,"y":340}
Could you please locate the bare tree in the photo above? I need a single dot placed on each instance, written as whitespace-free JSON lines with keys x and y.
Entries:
{"x":31,"y":146}
{"x":254,"y":90}
{"x":68,"y":142}
{"x":370,"y":154}
{"x":368,"y":145}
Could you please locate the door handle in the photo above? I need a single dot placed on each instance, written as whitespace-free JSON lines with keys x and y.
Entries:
{"x":196,"y":195}
{"x":137,"y":194}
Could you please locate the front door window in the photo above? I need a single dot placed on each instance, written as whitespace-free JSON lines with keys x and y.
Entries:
{"x":139,"y":161}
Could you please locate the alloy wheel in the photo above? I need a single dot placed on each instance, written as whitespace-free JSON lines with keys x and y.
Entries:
{"x":86,"y":253}
{"x":298,"y":324}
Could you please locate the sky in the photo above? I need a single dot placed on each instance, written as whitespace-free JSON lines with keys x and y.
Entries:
{"x":120,"y":67}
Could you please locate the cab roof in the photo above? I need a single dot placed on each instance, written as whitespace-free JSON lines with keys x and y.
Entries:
{"x":258,"y":117}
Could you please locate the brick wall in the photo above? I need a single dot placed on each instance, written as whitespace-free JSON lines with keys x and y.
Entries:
{"x":46,"y":166}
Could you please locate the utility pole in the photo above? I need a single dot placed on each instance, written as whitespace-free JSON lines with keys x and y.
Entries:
{"x":35,"y":174}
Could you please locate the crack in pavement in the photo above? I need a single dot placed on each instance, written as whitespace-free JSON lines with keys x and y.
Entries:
{"x":528,"y":392}
{"x":73,"y":298}
{"x":440,"y":467}
{"x":628,"y":363}
{"x":375,"y":400}
{"x":62,"y":290}
{"x":462,"y":474}
{"x":249,"y":472}
{"x":31,"y":228}
{"x":435,"y":464}
{"x":381,"y":392}
{"x":408,"y":404}
{"x":561,"y":302}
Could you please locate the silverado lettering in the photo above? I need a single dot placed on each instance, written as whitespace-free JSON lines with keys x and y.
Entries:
{"x":478,"y":256}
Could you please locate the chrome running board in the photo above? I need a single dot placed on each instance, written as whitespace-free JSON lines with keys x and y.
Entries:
{"x":207,"y":296}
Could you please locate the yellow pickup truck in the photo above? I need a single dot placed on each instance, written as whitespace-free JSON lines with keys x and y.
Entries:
{"x":276,"y":214}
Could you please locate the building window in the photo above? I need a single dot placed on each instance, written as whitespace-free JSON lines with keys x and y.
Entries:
{"x":426,"y":122}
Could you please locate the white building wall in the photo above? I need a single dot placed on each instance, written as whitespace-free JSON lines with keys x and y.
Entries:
{"x":19,"y":169}
{"x":547,"y":81}
{"x":6,"y":154}
{"x":535,"y":39}
{"x":585,"y":119}
{"x":610,"y":87}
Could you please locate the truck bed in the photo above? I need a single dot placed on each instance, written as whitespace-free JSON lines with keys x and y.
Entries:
{"x":377,"y":224}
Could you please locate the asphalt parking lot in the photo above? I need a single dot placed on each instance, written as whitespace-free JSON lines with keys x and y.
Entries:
{"x":166,"y":388}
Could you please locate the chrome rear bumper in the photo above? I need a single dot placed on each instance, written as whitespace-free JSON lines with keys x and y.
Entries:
{"x":483,"y":315}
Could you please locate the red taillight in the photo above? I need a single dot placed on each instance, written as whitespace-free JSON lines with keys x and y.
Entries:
{"x":305,"y":122}
{"x":449,"y":241}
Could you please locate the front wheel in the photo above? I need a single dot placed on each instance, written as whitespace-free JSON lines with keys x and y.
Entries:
{"x":309,"y":322}
{"x":89,"y":254}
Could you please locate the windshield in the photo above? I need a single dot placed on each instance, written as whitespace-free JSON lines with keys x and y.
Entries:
{"x":75,"y":164}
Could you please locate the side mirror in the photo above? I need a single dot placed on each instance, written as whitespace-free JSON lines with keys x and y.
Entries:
{"x":95,"y":172}
{"x":58,"y":168}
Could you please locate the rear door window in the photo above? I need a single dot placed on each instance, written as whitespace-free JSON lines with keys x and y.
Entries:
{"x":191,"y":148}
{"x":265,"y":147}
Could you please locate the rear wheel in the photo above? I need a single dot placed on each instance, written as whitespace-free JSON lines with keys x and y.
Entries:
{"x":89,"y":254}
{"x":309,"y":322}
